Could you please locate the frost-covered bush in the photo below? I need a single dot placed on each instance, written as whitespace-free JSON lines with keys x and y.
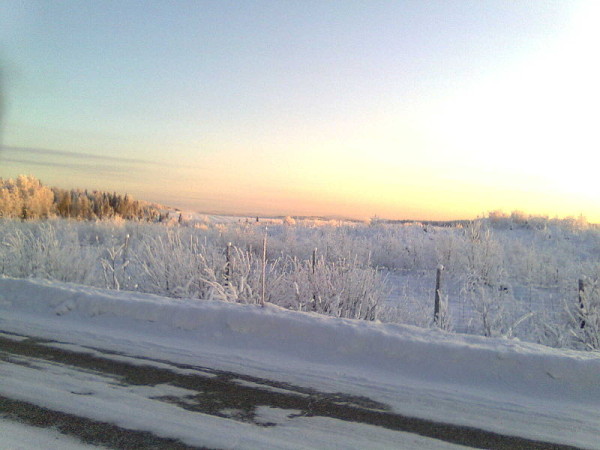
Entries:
{"x":182,"y":262}
{"x":449,"y":247}
{"x":482,"y":278}
{"x":341,"y":289}
{"x":584,"y":318}
{"x":241,"y":279}
{"x":482,"y":257}
{"x":497,"y":313}
{"x":46,"y":251}
{"x":166,"y":263}
{"x":402,"y":247}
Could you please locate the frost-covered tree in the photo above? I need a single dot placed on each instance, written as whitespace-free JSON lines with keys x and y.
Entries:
{"x":25,"y":198}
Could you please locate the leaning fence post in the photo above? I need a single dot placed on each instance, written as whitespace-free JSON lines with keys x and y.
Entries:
{"x":436,"y":306}
{"x":581,"y":302}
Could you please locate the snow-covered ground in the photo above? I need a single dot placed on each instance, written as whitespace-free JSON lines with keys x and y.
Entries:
{"x":500,"y":385}
{"x":16,"y":436}
{"x":499,"y":279}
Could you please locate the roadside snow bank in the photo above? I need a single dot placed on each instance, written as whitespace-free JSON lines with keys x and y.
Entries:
{"x":505,"y":367}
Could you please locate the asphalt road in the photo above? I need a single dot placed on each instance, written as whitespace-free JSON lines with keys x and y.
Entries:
{"x":227,"y":395}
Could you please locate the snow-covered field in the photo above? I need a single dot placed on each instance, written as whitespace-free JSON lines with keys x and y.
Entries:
{"x":505,"y":386}
{"x":16,"y":436}
{"x":512,"y":276}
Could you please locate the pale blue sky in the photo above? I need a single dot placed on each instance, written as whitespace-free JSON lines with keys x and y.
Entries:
{"x":300,"y":107}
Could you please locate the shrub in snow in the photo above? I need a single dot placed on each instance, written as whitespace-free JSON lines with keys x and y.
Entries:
{"x":289,"y":221}
{"x":497,"y":313}
{"x":341,"y":289}
{"x":240,"y":280}
{"x":448,"y":248}
{"x":46,"y":251}
{"x":114,"y":264}
{"x":170,"y":262}
{"x":548,"y":328}
{"x":584,"y":317}
{"x":482,"y":257}
{"x":444,"y":319}
{"x":485,"y":284}
{"x":407,"y":306}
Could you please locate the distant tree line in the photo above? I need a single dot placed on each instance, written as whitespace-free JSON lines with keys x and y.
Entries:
{"x":27,"y":198}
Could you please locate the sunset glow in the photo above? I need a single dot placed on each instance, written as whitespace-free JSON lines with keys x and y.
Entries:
{"x":437,"y":110}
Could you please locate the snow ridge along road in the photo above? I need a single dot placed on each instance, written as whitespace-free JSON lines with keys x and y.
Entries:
{"x":287,"y":367}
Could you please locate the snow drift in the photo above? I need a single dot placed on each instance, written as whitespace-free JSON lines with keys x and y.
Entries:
{"x":466,"y":363}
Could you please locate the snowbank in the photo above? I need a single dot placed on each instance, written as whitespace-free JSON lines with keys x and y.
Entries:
{"x":503,"y":367}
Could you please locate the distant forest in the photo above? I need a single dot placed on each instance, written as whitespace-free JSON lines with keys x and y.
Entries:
{"x":27,"y":198}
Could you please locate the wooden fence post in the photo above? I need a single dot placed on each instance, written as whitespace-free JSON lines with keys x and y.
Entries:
{"x":228,"y":264}
{"x":581,"y":302}
{"x":314,"y":268}
{"x":438,"y":287}
{"x":264,"y":271}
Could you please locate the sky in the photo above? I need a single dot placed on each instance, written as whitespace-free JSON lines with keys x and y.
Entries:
{"x":400,"y":109}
